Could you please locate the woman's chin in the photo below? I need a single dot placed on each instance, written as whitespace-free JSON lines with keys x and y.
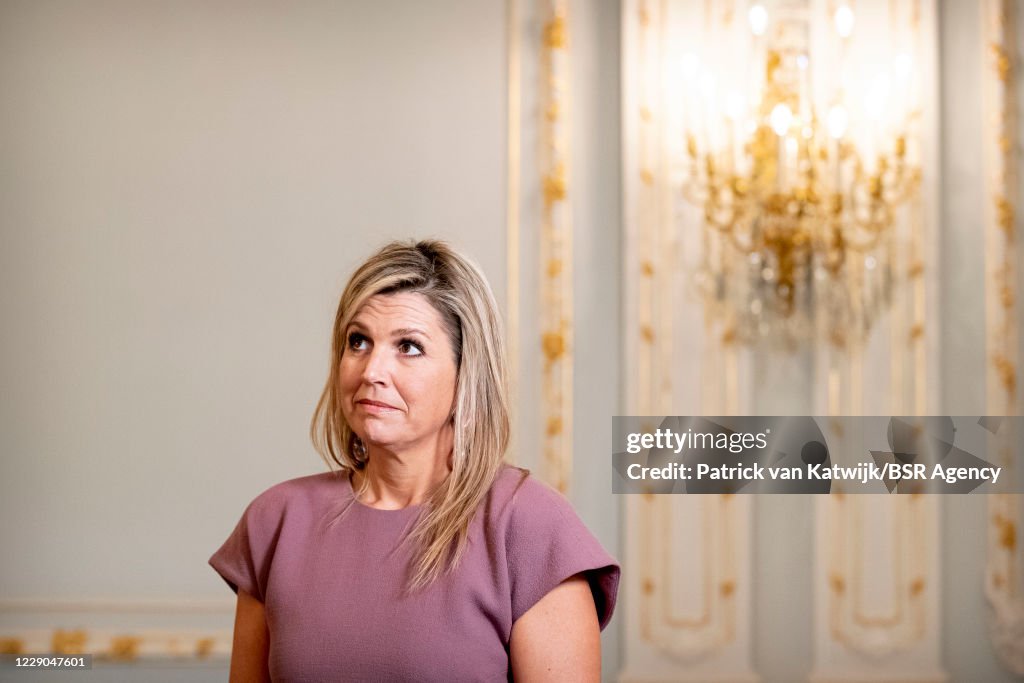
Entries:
{"x":378,"y":439}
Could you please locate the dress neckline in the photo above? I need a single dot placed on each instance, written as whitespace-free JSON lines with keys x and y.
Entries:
{"x":381,"y":511}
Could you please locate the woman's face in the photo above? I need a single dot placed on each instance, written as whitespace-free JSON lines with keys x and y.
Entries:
{"x":397,"y":372}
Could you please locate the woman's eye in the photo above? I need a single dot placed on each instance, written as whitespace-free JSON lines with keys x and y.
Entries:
{"x":354,"y":340}
{"x":410,"y":348}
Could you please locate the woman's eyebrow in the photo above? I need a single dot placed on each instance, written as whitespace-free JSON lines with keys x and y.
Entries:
{"x":400,"y":332}
{"x":408,"y":330}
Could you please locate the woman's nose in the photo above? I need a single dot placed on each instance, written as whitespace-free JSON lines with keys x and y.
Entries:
{"x":375,"y":369}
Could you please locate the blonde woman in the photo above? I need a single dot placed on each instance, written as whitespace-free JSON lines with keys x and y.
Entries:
{"x":421,"y":556}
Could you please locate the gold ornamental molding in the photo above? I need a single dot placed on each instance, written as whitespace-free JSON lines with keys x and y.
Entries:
{"x":850,"y":622}
{"x":122,"y":645}
{"x":877,"y":574}
{"x":539,"y":212}
{"x":556,"y":235}
{"x":1001,"y":117}
{"x":688,"y":637}
{"x":72,"y":634}
{"x":690,"y":611}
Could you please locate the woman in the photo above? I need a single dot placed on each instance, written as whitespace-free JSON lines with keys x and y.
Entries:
{"x":423,"y":557}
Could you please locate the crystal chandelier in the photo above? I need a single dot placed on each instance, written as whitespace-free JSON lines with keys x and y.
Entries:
{"x":799,"y":167}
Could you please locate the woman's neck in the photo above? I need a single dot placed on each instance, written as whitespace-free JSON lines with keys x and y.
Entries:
{"x":395,"y":480}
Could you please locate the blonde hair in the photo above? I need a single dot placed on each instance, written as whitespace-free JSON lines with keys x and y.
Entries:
{"x":458,"y":290}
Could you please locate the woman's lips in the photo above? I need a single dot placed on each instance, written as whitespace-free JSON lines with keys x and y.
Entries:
{"x":376,"y":408}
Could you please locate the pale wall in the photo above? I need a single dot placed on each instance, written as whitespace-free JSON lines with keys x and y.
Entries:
{"x":184,"y":188}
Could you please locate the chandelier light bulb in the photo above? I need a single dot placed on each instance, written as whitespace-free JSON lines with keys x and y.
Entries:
{"x":780,"y":119}
{"x":844,"y":21}
{"x":838,"y":120}
{"x":758,"y":17}
{"x":689,"y":67}
{"x":734,"y":106}
{"x":707,"y":86}
{"x":903,"y":64}
{"x":878,"y":97}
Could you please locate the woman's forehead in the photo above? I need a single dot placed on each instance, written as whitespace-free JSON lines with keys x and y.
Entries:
{"x":402,"y":309}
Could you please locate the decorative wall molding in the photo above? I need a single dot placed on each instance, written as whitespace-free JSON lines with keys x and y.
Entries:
{"x":122,"y":646}
{"x":540,"y":237}
{"x":556,"y":258}
{"x":1004,"y":584}
{"x":877,"y":579}
{"x":877,"y":589}
{"x":688,"y":599}
{"x":117,"y":630}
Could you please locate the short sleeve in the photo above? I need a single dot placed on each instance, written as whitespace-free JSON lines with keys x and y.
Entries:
{"x":244,"y":559}
{"x":548,"y":543}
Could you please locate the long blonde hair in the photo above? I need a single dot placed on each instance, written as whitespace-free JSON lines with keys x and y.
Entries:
{"x":457,"y":288}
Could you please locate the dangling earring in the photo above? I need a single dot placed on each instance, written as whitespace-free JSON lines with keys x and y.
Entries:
{"x":358,"y":450}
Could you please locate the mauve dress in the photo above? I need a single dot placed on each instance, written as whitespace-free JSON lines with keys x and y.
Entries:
{"x":332,"y":587}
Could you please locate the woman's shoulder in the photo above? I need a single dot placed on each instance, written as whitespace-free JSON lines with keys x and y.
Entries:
{"x":545,"y":542}
{"x":518,"y":495}
{"x":305,"y":491}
